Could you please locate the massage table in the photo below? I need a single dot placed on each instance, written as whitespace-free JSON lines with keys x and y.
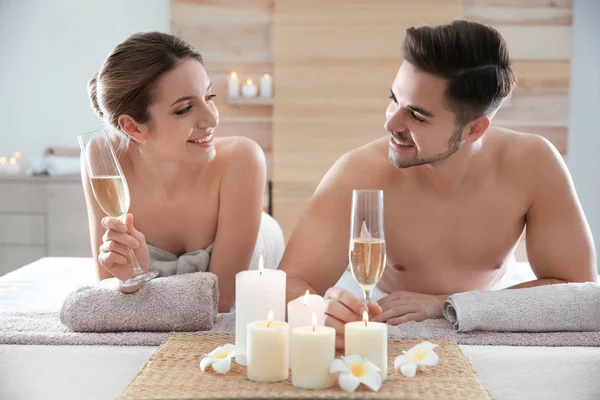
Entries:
{"x":102,"y":372}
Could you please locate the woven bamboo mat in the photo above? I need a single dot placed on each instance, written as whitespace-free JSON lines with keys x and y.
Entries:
{"x":173,"y":372}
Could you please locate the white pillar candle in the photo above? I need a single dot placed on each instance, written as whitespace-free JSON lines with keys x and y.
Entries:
{"x":268,"y":350}
{"x":249,"y":89}
{"x":313,"y":351}
{"x":300,"y":310}
{"x":257,"y":292}
{"x":3,"y":162}
{"x":368,"y":339}
{"x":12,"y":167}
{"x":233,"y":85}
{"x":266,"y":86}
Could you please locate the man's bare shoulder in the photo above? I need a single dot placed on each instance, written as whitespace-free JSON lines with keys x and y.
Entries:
{"x":363,"y":167}
{"x":518,"y":150}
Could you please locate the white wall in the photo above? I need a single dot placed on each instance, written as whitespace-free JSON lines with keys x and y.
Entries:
{"x":584,"y":129}
{"x":48,"y":51}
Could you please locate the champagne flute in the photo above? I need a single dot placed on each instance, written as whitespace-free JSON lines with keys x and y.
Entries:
{"x":110,"y":188}
{"x":367,"y":240}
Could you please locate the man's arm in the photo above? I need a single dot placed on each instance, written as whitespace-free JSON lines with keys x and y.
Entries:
{"x":559,"y":242}
{"x":317,"y":252}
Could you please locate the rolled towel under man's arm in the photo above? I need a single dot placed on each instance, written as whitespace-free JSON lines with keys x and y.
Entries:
{"x":550,"y":308}
{"x":184,"y":303}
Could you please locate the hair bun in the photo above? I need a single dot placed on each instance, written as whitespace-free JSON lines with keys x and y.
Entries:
{"x":92,"y":92}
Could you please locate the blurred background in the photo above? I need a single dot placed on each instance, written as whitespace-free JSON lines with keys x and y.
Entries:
{"x":329,"y":65}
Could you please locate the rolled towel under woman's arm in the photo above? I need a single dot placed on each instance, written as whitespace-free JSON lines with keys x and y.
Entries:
{"x":184,"y":303}
{"x":550,"y":308}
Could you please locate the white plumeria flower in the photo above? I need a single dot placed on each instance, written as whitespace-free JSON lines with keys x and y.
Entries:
{"x":418,"y":357}
{"x":355,"y":370}
{"x":220,"y":358}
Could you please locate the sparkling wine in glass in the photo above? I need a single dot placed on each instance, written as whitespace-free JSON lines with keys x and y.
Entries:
{"x":367,"y":239}
{"x":110,"y":188}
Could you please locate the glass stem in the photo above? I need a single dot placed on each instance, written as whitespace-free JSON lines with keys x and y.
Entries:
{"x":367,"y":298}
{"x":137,"y":269}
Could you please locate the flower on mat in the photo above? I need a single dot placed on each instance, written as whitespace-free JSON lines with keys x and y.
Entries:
{"x":355,"y":370}
{"x":220,"y":358}
{"x":418,"y":357}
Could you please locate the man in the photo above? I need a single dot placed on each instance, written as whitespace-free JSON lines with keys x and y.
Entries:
{"x":458,"y":192}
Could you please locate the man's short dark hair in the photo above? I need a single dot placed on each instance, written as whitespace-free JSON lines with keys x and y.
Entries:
{"x":473,"y":58}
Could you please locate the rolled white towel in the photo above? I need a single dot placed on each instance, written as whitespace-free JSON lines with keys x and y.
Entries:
{"x":270,"y":244}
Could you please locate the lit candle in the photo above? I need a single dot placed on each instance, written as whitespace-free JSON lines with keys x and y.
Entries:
{"x":233,"y":86}
{"x":249,"y":89}
{"x":266,"y":86}
{"x":313,"y":351}
{"x":257,"y":292}
{"x":12,"y":167}
{"x":268,"y":350}
{"x":2,"y":165}
{"x":368,"y":339}
{"x":300,"y":310}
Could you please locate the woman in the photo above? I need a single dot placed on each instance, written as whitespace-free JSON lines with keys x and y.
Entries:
{"x":190,"y":191}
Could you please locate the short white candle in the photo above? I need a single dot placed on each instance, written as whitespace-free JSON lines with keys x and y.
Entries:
{"x":313,"y":351}
{"x":12,"y":167}
{"x":3,"y":162}
{"x":233,"y":85}
{"x":368,"y":339}
{"x":266,"y":86}
{"x":249,"y":89}
{"x":300,"y":310}
{"x":257,"y":292}
{"x":268,"y":350}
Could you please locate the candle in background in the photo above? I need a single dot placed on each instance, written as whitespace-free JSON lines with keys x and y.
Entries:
{"x":257,"y":292}
{"x":368,"y":339}
{"x":268,"y":350}
{"x":249,"y":89}
{"x":12,"y":167}
{"x":313,"y":351}
{"x":3,"y":162}
{"x":233,"y":86}
{"x":266,"y":86}
{"x":300,"y":310}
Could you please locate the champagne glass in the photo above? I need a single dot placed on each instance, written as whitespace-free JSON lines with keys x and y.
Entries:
{"x":110,"y":188}
{"x":367,"y":240}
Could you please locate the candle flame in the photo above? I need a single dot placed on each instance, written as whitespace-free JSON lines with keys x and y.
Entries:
{"x":261,"y":265}
{"x":365,"y":317}
{"x":13,"y":160}
{"x":266,"y":76}
{"x":233,"y":75}
{"x":17,"y":154}
{"x":249,"y":82}
{"x":2,"y":160}
{"x":313,"y":320}
{"x":305,"y":302}
{"x":269,"y":318}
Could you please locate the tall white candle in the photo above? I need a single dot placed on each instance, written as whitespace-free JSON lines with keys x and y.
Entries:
{"x":368,"y":339}
{"x":268,"y":350}
{"x":266,"y":86}
{"x":233,"y":85}
{"x":313,"y":351}
{"x":300,"y":310}
{"x":257,"y":292}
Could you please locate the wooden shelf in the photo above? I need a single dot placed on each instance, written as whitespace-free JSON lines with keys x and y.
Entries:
{"x":257,"y":101}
